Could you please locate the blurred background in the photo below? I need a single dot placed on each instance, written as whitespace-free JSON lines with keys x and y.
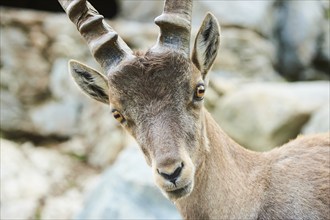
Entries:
{"x":62,"y":154}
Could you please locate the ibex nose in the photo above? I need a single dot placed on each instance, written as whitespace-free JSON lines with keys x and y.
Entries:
{"x":171,"y":176}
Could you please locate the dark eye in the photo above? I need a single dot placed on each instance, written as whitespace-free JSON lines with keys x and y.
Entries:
{"x":200,"y":92}
{"x":118,"y":116}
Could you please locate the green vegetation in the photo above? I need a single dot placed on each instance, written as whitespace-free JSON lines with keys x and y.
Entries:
{"x":80,"y":158}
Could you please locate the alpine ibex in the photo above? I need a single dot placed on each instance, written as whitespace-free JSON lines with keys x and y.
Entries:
{"x":158,"y":98}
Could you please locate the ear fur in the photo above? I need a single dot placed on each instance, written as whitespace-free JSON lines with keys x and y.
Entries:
{"x":90,"y":81}
{"x":206,"y":44}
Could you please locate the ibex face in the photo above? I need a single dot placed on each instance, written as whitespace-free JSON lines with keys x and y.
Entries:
{"x":157,"y":96}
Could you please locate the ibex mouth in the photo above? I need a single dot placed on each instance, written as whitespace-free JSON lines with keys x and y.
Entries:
{"x":181,"y":192}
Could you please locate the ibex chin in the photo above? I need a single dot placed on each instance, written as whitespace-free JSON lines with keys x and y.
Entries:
{"x":158,"y":97}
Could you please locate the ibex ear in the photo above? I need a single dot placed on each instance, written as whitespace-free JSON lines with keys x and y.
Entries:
{"x":206,"y":44}
{"x":90,"y":81}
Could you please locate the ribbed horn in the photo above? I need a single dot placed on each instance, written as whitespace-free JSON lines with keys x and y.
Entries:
{"x":175,"y":26}
{"x":104,"y":43}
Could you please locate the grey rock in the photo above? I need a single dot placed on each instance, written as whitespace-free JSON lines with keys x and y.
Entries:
{"x":19,"y":209}
{"x":311,"y":95}
{"x":19,"y":197}
{"x":248,"y":14}
{"x":63,"y":206}
{"x":19,"y":73}
{"x":323,"y":57}
{"x":126,"y":191}
{"x":13,"y":113}
{"x":131,"y":33}
{"x":319,"y":122}
{"x":151,"y":9}
{"x":245,"y":54}
{"x":41,"y":182}
{"x":39,"y":97}
{"x":296,"y":27}
{"x":55,"y":118}
{"x":262,"y":116}
{"x":299,"y":26}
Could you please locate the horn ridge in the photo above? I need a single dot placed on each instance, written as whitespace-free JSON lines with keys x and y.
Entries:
{"x":175,"y":26}
{"x":104,"y":43}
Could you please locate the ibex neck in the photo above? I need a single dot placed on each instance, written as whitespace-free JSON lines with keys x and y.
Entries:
{"x":224,"y":153}
{"x":223,"y":178}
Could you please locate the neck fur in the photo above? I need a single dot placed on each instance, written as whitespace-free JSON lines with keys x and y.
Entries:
{"x":222,"y":179}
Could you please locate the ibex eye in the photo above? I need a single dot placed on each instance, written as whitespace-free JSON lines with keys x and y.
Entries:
{"x":118,"y":116}
{"x":200,"y":92}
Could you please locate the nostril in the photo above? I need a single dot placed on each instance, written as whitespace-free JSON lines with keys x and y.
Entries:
{"x":176,"y":173}
{"x":174,"y":176}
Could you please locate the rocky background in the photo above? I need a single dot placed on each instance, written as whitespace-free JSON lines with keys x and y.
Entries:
{"x":64,"y":157}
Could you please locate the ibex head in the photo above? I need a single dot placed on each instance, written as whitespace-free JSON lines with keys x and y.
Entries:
{"x":157,"y":96}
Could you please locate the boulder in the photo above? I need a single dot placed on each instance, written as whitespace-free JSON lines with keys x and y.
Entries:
{"x":22,"y":186}
{"x":24,"y":69}
{"x":239,"y":13}
{"x":319,"y":121}
{"x":139,"y":36}
{"x":244,"y":14}
{"x":297,"y":36}
{"x":39,"y":99}
{"x":63,"y":206}
{"x":290,"y":25}
{"x":126,"y":191}
{"x":55,"y":118}
{"x":13,"y":113}
{"x":245,"y":54}
{"x":321,"y":61}
{"x":262,"y":116}
{"x":41,"y":182}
